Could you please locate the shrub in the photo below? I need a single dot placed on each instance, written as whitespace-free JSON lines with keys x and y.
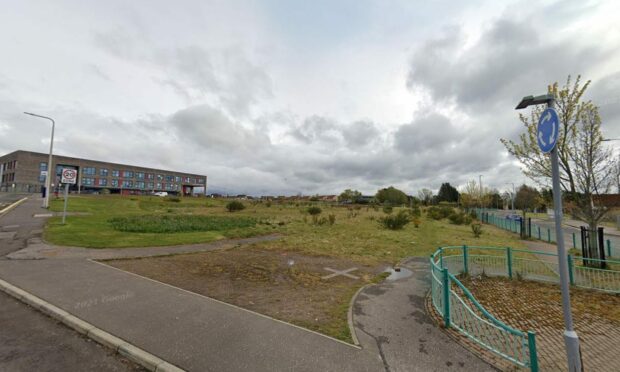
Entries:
{"x":314,"y":211}
{"x":416,"y":222}
{"x":235,"y":205}
{"x":395,"y":222}
{"x":332,"y":219}
{"x":415,"y":211}
{"x":387,"y":209}
{"x":476,"y":228}
{"x":172,"y":199}
{"x":459,"y":218}
{"x":105,"y":191}
{"x":438,"y":213}
{"x":473,"y":215}
{"x":268,"y":204}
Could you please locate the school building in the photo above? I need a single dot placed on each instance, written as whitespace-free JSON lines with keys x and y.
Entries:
{"x":25,"y":171}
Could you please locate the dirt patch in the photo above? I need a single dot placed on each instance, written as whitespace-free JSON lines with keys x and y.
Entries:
{"x":284,"y":285}
{"x":527,"y":305}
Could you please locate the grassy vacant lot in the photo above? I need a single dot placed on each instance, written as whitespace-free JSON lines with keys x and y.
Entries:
{"x":356,"y":232}
{"x":279,"y":278}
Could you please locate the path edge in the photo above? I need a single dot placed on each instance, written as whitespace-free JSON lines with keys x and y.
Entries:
{"x":120,"y":346}
{"x":11,"y":206}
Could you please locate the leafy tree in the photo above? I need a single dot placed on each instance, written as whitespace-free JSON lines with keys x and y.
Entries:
{"x":392,"y":196}
{"x":587,"y":167}
{"x":527,"y":198}
{"x":447,"y":193}
{"x":425,"y":196}
{"x":349,"y":196}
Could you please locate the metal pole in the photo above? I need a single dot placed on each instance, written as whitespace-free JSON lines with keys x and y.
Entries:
{"x":513,"y":197}
{"x":48,"y":178}
{"x":64,"y":212}
{"x":571,"y":340}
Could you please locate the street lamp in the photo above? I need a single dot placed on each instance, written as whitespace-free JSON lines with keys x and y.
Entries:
{"x":48,"y":178}
{"x":571,"y":340}
{"x":513,"y":195}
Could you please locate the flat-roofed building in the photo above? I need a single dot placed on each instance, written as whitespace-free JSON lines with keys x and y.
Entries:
{"x":25,"y":171}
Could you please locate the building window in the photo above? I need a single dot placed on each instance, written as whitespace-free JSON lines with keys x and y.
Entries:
{"x":149,"y":176}
{"x":127,"y":174}
{"x":177,"y":179}
{"x":42,"y":166}
{"x":87,"y":181}
{"x":116,"y":173}
{"x":103,"y":182}
{"x":160,"y":177}
{"x":186,"y":179}
{"x":59,"y":169}
{"x":169,"y":178}
{"x":114,"y":183}
{"x":150,"y":185}
{"x":103,"y":172}
{"x":139,"y":184}
{"x":127,"y":183}
{"x":140,"y":175}
{"x":89,"y":171}
{"x":158,"y":186}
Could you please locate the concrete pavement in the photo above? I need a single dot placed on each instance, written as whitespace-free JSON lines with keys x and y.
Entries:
{"x":393,"y":315}
{"x":198,"y":333}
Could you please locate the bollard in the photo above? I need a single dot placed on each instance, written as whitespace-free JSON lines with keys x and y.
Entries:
{"x":509,"y":261}
{"x":465,"y":263}
{"x":539,"y":233}
{"x":571,"y":266}
{"x":531,"y":343}
{"x":549,"y":235}
{"x":446,"y":298}
{"x":608,"y":248}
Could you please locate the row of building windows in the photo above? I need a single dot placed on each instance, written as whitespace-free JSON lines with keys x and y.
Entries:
{"x":128,"y":184}
{"x":9,"y":165}
{"x":103,"y":172}
{"x":9,"y":177}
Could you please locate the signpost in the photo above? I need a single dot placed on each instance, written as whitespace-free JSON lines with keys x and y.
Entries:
{"x":547,"y":136}
{"x":68,"y":177}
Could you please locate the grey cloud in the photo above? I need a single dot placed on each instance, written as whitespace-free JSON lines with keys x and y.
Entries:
{"x":508,"y":61}
{"x":360,"y":133}
{"x":431,"y":132}
{"x":316,"y":128}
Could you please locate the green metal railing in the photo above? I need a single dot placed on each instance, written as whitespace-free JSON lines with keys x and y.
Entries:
{"x":461,"y":311}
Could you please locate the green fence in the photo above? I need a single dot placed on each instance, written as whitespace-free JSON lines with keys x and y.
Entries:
{"x":546,"y":233}
{"x":461,"y":311}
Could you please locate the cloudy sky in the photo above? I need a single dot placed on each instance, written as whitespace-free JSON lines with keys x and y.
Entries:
{"x":287,"y":97}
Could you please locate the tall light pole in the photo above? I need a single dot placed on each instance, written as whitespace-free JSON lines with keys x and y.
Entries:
{"x":571,"y":340}
{"x":48,"y":178}
{"x":513,"y":195}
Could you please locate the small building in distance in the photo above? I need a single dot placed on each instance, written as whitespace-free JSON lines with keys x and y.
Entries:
{"x":25,"y":171}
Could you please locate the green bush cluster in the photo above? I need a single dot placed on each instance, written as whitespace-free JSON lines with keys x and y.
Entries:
{"x":439,"y":213}
{"x":396,"y":221}
{"x":459,"y":218}
{"x":178,"y":223}
{"x":234,"y":206}
{"x":172,"y":199}
{"x":387,"y":209}
{"x":476,"y":228}
{"x":314,"y":211}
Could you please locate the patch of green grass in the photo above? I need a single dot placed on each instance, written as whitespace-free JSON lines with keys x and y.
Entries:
{"x":179,"y":223}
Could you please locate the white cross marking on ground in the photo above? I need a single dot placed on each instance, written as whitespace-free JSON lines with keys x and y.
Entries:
{"x":340,"y":272}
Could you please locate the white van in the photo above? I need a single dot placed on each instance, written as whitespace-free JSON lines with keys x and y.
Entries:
{"x":160,"y":193}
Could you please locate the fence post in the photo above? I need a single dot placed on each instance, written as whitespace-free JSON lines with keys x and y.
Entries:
{"x":465,"y":258}
{"x":571,"y":273}
{"x":539,"y":233}
{"x":549,"y":235}
{"x":608,"y":248}
{"x":446,"y":298}
{"x":531,"y":343}
{"x":509,"y":261}
{"x":574,"y":242}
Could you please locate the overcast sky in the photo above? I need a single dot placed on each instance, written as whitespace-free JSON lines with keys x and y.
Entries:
{"x":287,"y":97}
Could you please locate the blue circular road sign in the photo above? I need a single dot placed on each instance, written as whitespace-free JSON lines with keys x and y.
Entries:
{"x":548,"y":130}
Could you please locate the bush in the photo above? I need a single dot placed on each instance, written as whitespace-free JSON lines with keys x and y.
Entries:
{"x":314,"y":211}
{"x":105,"y":191}
{"x":473,"y":215}
{"x":395,"y":222}
{"x":460,"y":218}
{"x":234,"y":206}
{"x":416,"y":222}
{"x":332,"y":219}
{"x":476,"y":228}
{"x":387,"y":209}
{"x":438,"y":213}
{"x":415,"y":211}
{"x":172,"y":199}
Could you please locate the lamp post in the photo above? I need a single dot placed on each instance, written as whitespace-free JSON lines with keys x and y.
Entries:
{"x":48,"y":178}
{"x":571,"y":340}
{"x":513,"y":195}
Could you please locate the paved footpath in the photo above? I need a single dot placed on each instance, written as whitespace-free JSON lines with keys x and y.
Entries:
{"x":201,"y":334}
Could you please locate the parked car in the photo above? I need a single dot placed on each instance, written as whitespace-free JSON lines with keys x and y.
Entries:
{"x":514,"y":217}
{"x":160,"y":193}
